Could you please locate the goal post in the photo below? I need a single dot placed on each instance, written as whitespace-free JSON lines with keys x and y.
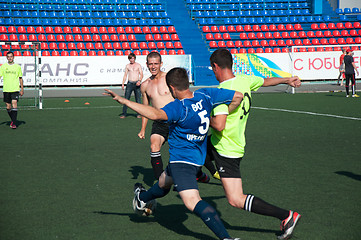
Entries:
{"x":28,"y":56}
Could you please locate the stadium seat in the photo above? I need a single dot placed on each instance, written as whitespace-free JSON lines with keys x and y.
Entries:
{"x":180,"y":52}
{"x":11,"y":29}
{"x":223,"y":29}
{"x":55,"y":53}
{"x":332,"y":26}
{"x":259,"y":50}
{"x":357,"y":25}
{"x":268,"y":35}
{"x":13,"y":38}
{"x":80,"y":46}
{"x":256,"y":28}
{"x":78,"y":38}
{"x":238,"y":44}
{"x":4,"y":37}
{"x":242,"y":50}
{"x":268,"y":50}
{"x":160,"y":45}
{"x":340,"y":25}
{"x":21,"y":29}
{"x":281,"y":27}
{"x":315,"y":41}
{"x":341,"y":41}
{"x":264,"y":28}
{"x":289,"y":27}
{"x":45,"y":53}
{"x":319,"y":34}
{"x":120,"y":30}
{"x":349,"y":41}
{"x":247,"y":44}
{"x":44,"y":46}
{"x":108,"y":46}
{"x":89,"y":46}
{"x":353,"y":33}
{"x":117,"y":46}
{"x":289,"y":42}
{"x":145,"y":52}
{"x":336,"y":33}
{"x":134,"y":45}
{"x":49,"y":30}
{"x":298,"y":27}
{"x":239,"y":28}
{"x":327,"y":34}
{"x":285,"y":50}
{"x":264,"y":43}
{"x":23,"y":38}
{"x":277,"y":35}
{"x":101,"y":53}
{"x":251,"y":50}
{"x":243,"y":36}
{"x":69,"y":38}
{"x":33,"y":38}
{"x":314,"y":26}
{"x":231,"y":28}
{"x":213,"y":44}
{"x":126,"y":46}
{"x":306,"y":41}
{"x":175,"y":37}
{"x":302,"y":34}
{"x":58,"y":30}
{"x":285,"y":35}
{"x":247,"y":28}
{"x":92,"y":53}
{"x":345,"y":33}
{"x":324,"y":41}
{"x":123,"y":38}
{"x":310,"y":34}
{"x":163,"y":52}
{"x":281,"y":43}
{"x":71,"y":46}
{"x":172,"y":52}
{"x":143,"y":45}
{"x":332,"y":41}
{"x":272,"y":43}
{"x":171,"y":29}
{"x":94,"y":30}
{"x":276,"y":50}
{"x":298,"y":42}
{"x":98,"y":46}
{"x":73,"y":53}
{"x":151,"y":45}
{"x":214,"y":29}
{"x":323,"y":26}
{"x":260,"y":35}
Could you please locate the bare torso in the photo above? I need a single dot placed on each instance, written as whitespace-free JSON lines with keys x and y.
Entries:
{"x":157,"y":91}
{"x":134,"y":72}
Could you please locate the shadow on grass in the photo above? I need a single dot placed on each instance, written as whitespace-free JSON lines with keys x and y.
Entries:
{"x":148,"y":175}
{"x":18,"y":123}
{"x":350,"y":175}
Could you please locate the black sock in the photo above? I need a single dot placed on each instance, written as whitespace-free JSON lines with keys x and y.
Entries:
{"x":209,"y":165}
{"x":257,"y":205}
{"x":347,"y":90}
{"x":157,"y":164}
{"x":14,"y":113}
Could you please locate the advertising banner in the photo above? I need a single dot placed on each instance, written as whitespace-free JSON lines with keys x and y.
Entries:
{"x":90,"y":70}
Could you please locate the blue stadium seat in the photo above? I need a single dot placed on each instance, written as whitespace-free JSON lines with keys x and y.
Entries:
{"x":326,"y":18}
{"x":235,"y":20}
{"x":293,"y":19}
{"x":34,"y":14}
{"x":285,"y":20}
{"x":306,"y":11}
{"x":268,"y":20}
{"x":63,"y":22}
{"x":343,"y":18}
{"x":355,"y":10}
{"x":347,"y":10}
{"x":338,"y":11}
{"x":36,"y":21}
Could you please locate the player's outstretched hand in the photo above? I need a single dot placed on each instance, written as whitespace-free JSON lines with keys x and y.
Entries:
{"x":141,"y":135}
{"x":115,"y":96}
{"x":294,"y":82}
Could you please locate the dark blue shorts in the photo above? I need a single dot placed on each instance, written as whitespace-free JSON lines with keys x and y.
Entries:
{"x":184,"y":175}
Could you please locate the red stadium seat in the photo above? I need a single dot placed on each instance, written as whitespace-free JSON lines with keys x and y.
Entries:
{"x":154,"y":29}
{"x":345,"y":33}
{"x":163,"y":29}
{"x":98,"y":45}
{"x":69,"y":38}
{"x":348,"y":25}
{"x":180,"y":52}
{"x":166,"y":37}
{"x":83,"y":53}
{"x":172,"y":52}
{"x":171,"y":29}
{"x":149,"y":37}
{"x":302,"y":34}
{"x":298,"y":27}
{"x":298,"y":42}
{"x":94,"y":30}
{"x":103,"y":30}
{"x":125,"y":46}
{"x":355,"y":48}
{"x":213,"y":44}
{"x":169,"y":45}
{"x":293,"y":35}
{"x":21,"y":29}
{"x":285,"y":50}
{"x":281,"y":27}
{"x":85,"y":30}
{"x":134,"y":45}
{"x":13,"y":38}
{"x":163,"y":52}
{"x":336,"y":33}
{"x":226,"y":36}
{"x":137,"y":30}
{"x":49,"y":30}
{"x":120,"y":30}
{"x":285,"y":35}
{"x":353,"y":33}
{"x":349,"y":41}
{"x":327,"y":34}
{"x":114,"y":38}
{"x":268,"y":50}
{"x":55,"y":53}
{"x":160,"y":45}
{"x":332,"y":41}
{"x":340,"y":25}
{"x":247,"y":44}
{"x":314,"y":26}
{"x":358,"y":40}
{"x":64,"y":53}
{"x":87,"y":38}
{"x":175,"y":37}
{"x":259,"y":50}
{"x":117,"y":46}
{"x":218,"y":36}
{"x":137,"y":52}
{"x":123,"y":38}
{"x":129,"y":30}
{"x":272,"y":43}
{"x":289,"y":42}
{"x":45,"y":53}
{"x":44,"y":45}
{"x":319,"y":34}
{"x":281,"y":43}
{"x":80,"y":46}
{"x":108,"y":45}
{"x":33,"y":38}
{"x":341,"y":41}
{"x":324,"y":41}
{"x":289,"y":27}
{"x":58,"y":30}
{"x":71,"y":46}
{"x":23,"y":38}
{"x":251,"y":50}
{"x":320,"y":49}
{"x":67,"y":30}
{"x":315,"y":41}
{"x":221,"y":44}
{"x":268,"y":35}
{"x":357,"y":25}
{"x":30,"y":29}
{"x":76,"y":30}
{"x":276,"y":50}
{"x":223,"y":29}
{"x":73,"y":53}
{"x":234,"y":51}
{"x":4,"y":37}
{"x":277,"y":35}
{"x":311,"y":49}
{"x":152,"y":45}
{"x":110,"y":53}
{"x":256,"y":28}
{"x":242,"y":50}
{"x":306,"y":41}
{"x":238,"y":44}
{"x":239,"y":28}
{"x":264,"y":28}
{"x":231,"y":28}
{"x":127,"y":52}
{"x":332,"y":26}
{"x":157,"y":37}
{"x":112,"y":30}
{"x":101,"y":53}
{"x":60,"y":38}
{"x":247,"y":28}
{"x":145,"y":52}
{"x":132,"y":38}
{"x":206,"y":29}
{"x":311,"y":34}
{"x":214,"y":29}
{"x":337,"y":48}
{"x":92,"y":53}
{"x":264,"y":43}
{"x":143,"y":45}
{"x":323,"y":26}
{"x":251,"y":35}
{"x":243,"y":36}
{"x":260,"y":35}
{"x":40,"y":29}
{"x":89,"y":46}
{"x":230,"y":44}
{"x":255,"y":43}
{"x":329,"y":49}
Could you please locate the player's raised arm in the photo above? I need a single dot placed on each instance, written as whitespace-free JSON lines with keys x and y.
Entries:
{"x":146,"y":111}
{"x":292,"y":81}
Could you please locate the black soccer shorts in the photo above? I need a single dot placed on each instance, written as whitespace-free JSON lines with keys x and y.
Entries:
{"x":9,"y":96}
{"x":160,"y":128}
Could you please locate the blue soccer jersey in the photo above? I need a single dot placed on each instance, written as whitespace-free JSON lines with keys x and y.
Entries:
{"x":189,"y":122}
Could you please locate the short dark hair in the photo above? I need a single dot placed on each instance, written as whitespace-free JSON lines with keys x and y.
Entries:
{"x":10,"y":52}
{"x":154,"y":55}
{"x":222,"y":57}
{"x":132,"y":55}
{"x":178,"y":78}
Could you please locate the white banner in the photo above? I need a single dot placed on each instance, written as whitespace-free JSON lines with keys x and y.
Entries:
{"x":89,"y":70}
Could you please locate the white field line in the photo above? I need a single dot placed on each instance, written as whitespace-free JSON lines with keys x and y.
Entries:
{"x":308,"y":113}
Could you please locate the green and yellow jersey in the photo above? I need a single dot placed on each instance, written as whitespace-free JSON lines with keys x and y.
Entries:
{"x":11,"y":74}
{"x":231,"y":141}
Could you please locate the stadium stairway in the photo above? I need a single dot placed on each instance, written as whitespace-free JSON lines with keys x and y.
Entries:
{"x":192,"y":42}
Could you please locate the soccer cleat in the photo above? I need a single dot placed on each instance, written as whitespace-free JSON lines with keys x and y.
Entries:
{"x":288,"y":225}
{"x":347,"y":96}
{"x":137,"y":203}
{"x":355,"y":95}
{"x":12,"y":125}
{"x":204,"y":178}
{"x":216,"y":175}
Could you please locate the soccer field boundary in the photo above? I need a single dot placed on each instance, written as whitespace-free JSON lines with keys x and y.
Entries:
{"x":308,"y":113}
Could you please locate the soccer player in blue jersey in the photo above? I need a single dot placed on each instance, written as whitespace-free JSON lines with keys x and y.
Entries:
{"x":189,"y":118}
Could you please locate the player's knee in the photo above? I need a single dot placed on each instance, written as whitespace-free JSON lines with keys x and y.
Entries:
{"x":236,"y":201}
{"x":154,"y":147}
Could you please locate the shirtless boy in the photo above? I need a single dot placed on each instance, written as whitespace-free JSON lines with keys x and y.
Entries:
{"x":134,"y":73}
{"x":155,"y":92}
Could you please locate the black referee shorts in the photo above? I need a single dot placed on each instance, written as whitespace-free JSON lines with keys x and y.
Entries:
{"x":9,"y":96}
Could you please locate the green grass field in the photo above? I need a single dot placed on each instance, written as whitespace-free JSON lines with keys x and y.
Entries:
{"x":68,"y":172}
